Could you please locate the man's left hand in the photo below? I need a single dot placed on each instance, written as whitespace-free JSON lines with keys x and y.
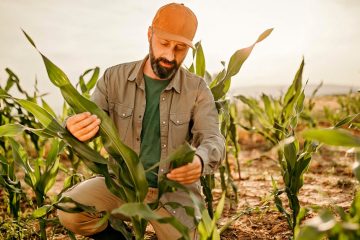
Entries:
{"x":188,"y":173}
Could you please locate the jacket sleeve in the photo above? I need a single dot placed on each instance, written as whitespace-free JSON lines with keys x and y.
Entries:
{"x":207,"y":138}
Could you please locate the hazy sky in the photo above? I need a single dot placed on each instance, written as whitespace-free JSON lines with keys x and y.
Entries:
{"x":81,"y":34}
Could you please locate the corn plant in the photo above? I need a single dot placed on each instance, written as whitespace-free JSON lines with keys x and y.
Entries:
{"x":42,"y":175}
{"x":11,"y":186}
{"x":326,"y":224}
{"x":277,"y":120}
{"x":11,"y":112}
{"x":219,"y":86}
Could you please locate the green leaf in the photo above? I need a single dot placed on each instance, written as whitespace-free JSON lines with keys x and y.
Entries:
{"x":290,"y":154}
{"x":234,"y":66}
{"x":48,"y":108}
{"x":143,"y":210}
{"x":69,"y":205}
{"x":11,"y":130}
{"x":295,"y":88}
{"x":42,"y":211}
{"x":181,"y":156}
{"x":29,"y":38}
{"x":20,"y":158}
{"x":346,"y":120}
{"x":336,"y":137}
{"x":44,"y":117}
{"x":200,"y":60}
{"x":92,"y":82}
{"x":317,"y":227}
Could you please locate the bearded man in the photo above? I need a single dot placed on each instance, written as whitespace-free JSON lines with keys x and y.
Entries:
{"x":156,"y":106}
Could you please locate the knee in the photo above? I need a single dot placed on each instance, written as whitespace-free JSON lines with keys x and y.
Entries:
{"x":80,"y":223}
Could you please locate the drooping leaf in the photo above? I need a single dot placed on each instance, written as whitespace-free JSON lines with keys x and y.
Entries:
{"x":234,"y":66}
{"x":336,"y":137}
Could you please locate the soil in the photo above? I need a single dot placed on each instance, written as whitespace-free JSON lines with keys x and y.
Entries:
{"x":329,"y":182}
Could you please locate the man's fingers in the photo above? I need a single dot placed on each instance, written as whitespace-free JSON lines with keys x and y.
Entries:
{"x":84,"y":123}
{"x":77,"y":118}
{"x":186,"y":180}
{"x":87,"y":129}
{"x":89,"y":134}
{"x":186,"y":168}
{"x":181,"y":173}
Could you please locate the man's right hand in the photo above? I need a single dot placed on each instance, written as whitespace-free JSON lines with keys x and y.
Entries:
{"x":83,"y":126}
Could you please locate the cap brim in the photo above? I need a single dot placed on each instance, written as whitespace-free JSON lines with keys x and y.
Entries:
{"x":173,"y":37}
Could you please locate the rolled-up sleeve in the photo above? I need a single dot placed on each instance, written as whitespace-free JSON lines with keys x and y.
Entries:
{"x":100,"y":95}
{"x":207,"y":138}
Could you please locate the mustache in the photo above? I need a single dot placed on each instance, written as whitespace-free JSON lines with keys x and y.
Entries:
{"x":164,"y":60}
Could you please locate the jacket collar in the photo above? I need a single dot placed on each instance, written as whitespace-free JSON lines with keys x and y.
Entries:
{"x":137,"y":75}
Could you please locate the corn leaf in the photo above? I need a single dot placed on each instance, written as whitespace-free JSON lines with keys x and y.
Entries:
{"x":11,"y":130}
{"x":200,"y":60}
{"x":336,"y":137}
{"x":182,"y":155}
{"x":108,"y":131}
{"x":42,"y":211}
{"x":234,"y":66}
{"x":144,"y":211}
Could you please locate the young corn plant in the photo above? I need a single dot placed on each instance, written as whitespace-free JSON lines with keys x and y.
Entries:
{"x":219,"y":86}
{"x":11,"y":186}
{"x":42,"y":175}
{"x":327,"y":224}
{"x":277,"y":120}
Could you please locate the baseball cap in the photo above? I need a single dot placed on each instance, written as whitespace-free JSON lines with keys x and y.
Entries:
{"x":175,"y":21}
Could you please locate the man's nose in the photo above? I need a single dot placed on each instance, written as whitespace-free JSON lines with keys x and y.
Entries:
{"x":169,"y":55}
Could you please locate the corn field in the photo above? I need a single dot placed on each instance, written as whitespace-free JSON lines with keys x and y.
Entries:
{"x":278,"y":150}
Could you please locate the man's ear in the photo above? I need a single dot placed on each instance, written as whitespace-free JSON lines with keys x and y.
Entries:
{"x":149,"y":33}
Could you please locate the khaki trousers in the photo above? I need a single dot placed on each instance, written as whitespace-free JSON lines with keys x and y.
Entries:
{"x":93,"y":192}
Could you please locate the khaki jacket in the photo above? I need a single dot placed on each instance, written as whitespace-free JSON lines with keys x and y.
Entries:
{"x":187,"y":113}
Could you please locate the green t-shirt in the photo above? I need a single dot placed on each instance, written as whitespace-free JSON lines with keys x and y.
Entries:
{"x":150,"y":148}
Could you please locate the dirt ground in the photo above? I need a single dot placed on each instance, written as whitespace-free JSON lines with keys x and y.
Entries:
{"x":328,"y":183}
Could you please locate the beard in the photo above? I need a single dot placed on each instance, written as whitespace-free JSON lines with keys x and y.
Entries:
{"x":161,"y":71}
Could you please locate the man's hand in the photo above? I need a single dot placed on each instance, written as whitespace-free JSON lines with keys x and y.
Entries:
{"x":188,"y":173}
{"x":83,"y":126}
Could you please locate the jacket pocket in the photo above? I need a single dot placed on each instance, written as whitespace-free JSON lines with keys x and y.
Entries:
{"x":122,"y":116}
{"x":179,"y":128}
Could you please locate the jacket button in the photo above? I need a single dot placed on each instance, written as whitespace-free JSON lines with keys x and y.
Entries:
{"x":164,"y":146}
{"x":177,"y":121}
{"x":164,"y":122}
{"x":123,"y":114}
{"x":163,"y":99}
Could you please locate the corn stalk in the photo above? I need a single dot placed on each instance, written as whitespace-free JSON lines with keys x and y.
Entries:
{"x":219,"y":86}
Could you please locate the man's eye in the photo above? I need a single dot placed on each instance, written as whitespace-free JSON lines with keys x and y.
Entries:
{"x":180,"y":48}
{"x":164,"y":44}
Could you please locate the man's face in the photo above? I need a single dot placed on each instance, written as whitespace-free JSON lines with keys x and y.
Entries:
{"x":166,"y":56}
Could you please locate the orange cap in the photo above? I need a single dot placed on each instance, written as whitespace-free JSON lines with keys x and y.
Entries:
{"x":175,"y":22}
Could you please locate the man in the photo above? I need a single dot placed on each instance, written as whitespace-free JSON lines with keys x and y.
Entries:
{"x":156,"y":106}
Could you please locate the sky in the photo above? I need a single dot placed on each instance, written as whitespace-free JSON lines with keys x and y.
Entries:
{"x":82,"y":34}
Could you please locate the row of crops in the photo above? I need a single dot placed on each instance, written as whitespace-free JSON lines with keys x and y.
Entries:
{"x":35,"y":149}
